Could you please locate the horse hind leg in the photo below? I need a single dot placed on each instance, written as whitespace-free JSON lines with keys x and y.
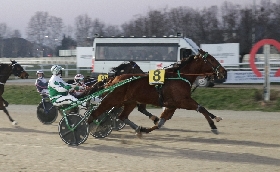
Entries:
{"x":128,"y":108}
{"x":10,"y":118}
{"x":5,"y":102}
{"x":142,"y":109}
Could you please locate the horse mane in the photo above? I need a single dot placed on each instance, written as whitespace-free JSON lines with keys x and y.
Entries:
{"x":3,"y":66}
{"x":177,"y":66}
{"x":185,"y":61}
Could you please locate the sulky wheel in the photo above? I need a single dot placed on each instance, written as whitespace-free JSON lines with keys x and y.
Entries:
{"x":76,"y":136}
{"x":46,"y":113}
{"x":117,"y":124}
{"x":103,"y":129}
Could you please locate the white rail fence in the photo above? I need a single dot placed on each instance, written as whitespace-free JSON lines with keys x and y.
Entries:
{"x":69,"y":64}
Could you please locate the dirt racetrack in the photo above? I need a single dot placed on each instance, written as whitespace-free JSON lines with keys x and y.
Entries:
{"x":248,"y":141}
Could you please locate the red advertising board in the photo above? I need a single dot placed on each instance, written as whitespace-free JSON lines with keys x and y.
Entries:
{"x":254,"y":50}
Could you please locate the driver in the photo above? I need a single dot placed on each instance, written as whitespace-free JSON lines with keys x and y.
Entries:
{"x":41,"y":83}
{"x":79,"y":81}
{"x":59,"y":89}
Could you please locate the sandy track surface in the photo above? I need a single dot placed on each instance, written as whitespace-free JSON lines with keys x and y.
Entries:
{"x":248,"y":141}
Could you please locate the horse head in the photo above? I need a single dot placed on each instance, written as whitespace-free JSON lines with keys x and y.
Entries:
{"x":212,"y":65}
{"x":18,"y":70}
{"x":125,"y":68}
{"x":200,"y":64}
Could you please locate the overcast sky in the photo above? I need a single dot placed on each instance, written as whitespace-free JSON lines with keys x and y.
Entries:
{"x":17,"y":13}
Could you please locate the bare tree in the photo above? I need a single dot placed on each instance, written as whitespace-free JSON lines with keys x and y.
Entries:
{"x":154,"y":24}
{"x":45,"y":31}
{"x":98,"y":27}
{"x":230,"y":21}
{"x":137,"y":27}
{"x":16,"y":34}
{"x":112,"y":30}
{"x":208,"y":25}
{"x":263,"y":19}
{"x":245,"y":31}
{"x":69,"y":31}
{"x":274,"y":31}
{"x":83,"y":24}
{"x":157,"y":22}
{"x":38,"y":27}
{"x":55,"y":26}
{"x":3,"y":34}
{"x":182,"y":19}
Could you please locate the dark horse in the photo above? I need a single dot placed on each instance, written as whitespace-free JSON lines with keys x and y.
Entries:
{"x":175,"y":92}
{"x":5,"y":71}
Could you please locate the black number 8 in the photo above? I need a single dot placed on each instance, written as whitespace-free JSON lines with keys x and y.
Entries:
{"x":156,"y":76}
{"x":103,"y":77}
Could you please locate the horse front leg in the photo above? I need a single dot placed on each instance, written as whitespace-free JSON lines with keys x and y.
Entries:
{"x":128,"y":108}
{"x":7,"y":113}
{"x":5,"y":102}
{"x":191,"y":104}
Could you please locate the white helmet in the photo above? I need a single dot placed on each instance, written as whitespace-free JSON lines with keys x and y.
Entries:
{"x":79,"y":78}
{"x":56,"y":70}
{"x":39,"y":71}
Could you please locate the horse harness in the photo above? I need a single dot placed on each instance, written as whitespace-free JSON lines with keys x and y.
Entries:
{"x":159,"y":86}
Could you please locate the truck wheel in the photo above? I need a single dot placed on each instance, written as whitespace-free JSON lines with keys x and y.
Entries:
{"x":201,"y":81}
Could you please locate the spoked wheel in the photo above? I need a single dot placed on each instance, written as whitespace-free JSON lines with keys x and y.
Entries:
{"x":117,"y":124}
{"x":103,"y":129}
{"x":76,"y":136}
{"x":48,"y":114}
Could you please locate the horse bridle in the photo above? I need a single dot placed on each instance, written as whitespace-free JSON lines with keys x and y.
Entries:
{"x":15,"y":71}
{"x":215,"y":69}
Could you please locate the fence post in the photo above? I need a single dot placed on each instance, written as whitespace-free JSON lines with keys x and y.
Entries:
{"x":266,"y":86}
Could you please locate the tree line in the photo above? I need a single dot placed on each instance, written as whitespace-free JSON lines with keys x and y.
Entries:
{"x":229,"y":23}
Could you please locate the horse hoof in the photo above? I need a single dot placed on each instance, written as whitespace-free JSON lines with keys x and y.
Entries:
{"x":215,"y":131}
{"x":155,"y":119}
{"x":138,"y":132}
{"x":14,"y":123}
{"x":139,"y":135}
{"x":218,"y":118}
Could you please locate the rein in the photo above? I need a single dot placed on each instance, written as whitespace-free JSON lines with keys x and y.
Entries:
{"x":100,"y":92}
{"x":214,"y":69}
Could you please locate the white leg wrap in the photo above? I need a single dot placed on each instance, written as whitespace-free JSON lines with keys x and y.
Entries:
{"x":161,"y":122}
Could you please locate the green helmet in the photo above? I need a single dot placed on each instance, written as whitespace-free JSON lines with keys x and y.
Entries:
{"x":56,"y":70}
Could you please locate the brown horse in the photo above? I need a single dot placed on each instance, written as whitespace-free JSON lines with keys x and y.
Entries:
{"x":125,"y":68}
{"x":132,"y":68}
{"x":5,"y":71}
{"x":175,"y":92}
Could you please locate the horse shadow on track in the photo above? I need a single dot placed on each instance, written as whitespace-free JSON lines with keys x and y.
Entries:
{"x":149,"y":150}
{"x":155,"y":147}
{"x":186,"y":139}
